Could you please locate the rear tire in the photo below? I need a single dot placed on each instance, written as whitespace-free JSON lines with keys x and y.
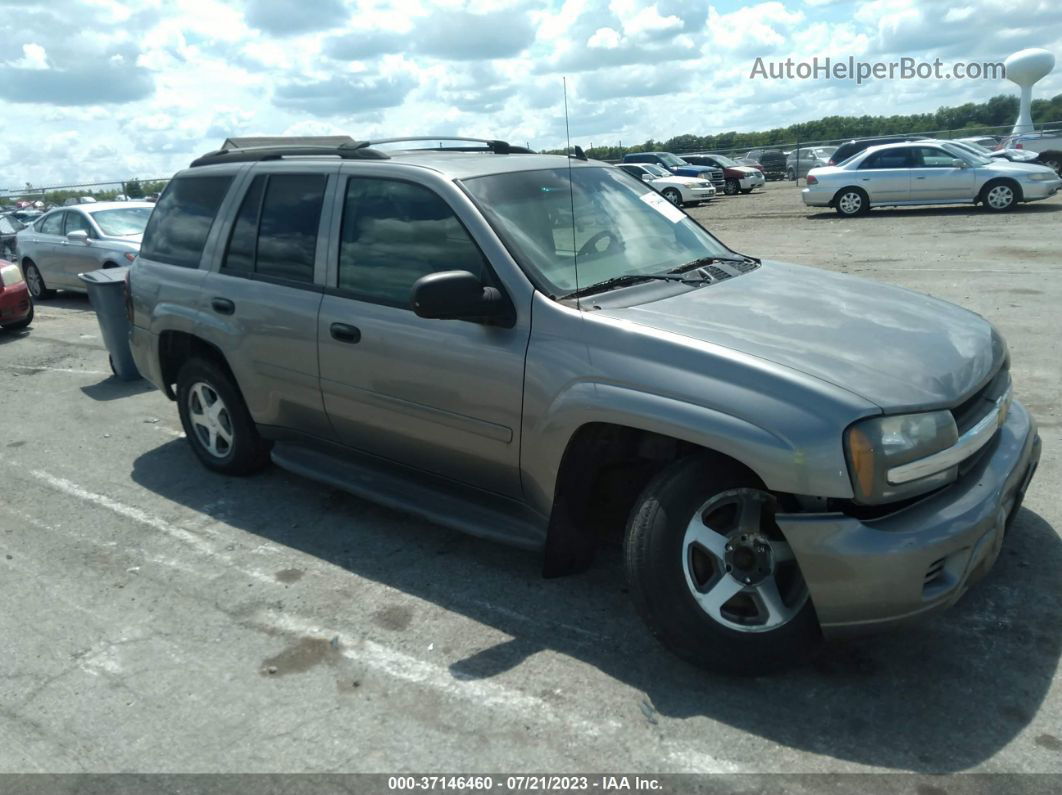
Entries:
{"x":698,"y":603}
{"x":850,"y":202}
{"x":1000,"y":196}
{"x":35,"y":282}
{"x":216,"y":421}
{"x":790,"y":175}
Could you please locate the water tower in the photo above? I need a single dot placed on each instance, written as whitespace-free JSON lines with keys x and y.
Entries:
{"x":1025,"y":68}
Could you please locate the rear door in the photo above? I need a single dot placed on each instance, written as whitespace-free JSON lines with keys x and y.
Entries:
{"x":934,"y":176}
{"x":262,"y":302}
{"x":886,"y":175}
{"x":439,"y":395}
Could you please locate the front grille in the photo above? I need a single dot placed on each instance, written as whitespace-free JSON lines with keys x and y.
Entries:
{"x":934,"y":572}
{"x":716,"y":175}
{"x":974,"y":408}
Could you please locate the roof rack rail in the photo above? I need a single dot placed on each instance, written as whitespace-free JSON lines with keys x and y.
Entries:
{"x":358,"y":150}
{"x":495,"y":146}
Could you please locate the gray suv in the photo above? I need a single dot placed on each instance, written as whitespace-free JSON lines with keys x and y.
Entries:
{"x":543,"y":351}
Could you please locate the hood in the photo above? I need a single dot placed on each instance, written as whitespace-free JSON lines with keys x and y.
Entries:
{"x":896,"y":348}
{"x":1017,"y":169}
{"x":745,"y":169}
{"x":693,"y":171}
{"x":690,"y":181}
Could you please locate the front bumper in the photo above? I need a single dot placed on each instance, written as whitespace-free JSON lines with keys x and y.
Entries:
{"x":1034,"y":191}
{"x":699,"y":194}
{"x":752,"y":181}
{"x":14,"y":303}
{"x":868,"y":574}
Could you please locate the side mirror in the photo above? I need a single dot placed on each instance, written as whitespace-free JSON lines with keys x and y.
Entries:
{"x":957,"y":163}
{"x":647,"y":177}
{"x":459,"y":295}
{"x":77,"y":236}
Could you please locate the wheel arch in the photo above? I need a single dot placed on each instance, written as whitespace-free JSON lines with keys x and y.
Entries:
{"x":839,"y":191}
{"x":177,"y":347}
{"x":1019,"y":195}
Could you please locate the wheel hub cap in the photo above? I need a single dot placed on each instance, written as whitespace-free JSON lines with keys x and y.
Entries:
{"x":748,"y":558}
{"x":210,"y":420}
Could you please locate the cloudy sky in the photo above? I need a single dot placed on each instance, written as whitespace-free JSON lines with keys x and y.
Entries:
{"x":104,"y":89}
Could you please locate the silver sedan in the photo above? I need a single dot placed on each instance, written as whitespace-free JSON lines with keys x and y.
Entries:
{"x":926,"y":172}
{"x":71,"y":240}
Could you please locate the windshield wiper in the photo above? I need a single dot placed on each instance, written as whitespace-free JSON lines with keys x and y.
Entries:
{"x":702,"y":261}
{"x":628,"y":279}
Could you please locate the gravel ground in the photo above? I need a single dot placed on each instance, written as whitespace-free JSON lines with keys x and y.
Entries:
{"x":161,"y":618}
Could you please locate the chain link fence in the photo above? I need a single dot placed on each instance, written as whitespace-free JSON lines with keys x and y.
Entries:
{"x":55,"y":195}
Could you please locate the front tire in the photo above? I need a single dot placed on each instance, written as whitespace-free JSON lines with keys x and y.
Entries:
{"x":851,"y":202}
{"x":1001,"y":196}
{"x":731,"y":187}
{"x":672,"y":195}
{"x":216,"y":421}
{"x":790,"y":175}
{"x":35,"y":282}
{"x":711,"y":574}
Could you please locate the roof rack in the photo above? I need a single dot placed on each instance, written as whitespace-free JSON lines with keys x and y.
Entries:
{"x":358,"y":150}
{"x":495,"y":146}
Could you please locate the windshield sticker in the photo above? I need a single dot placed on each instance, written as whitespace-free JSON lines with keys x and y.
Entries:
{"x":663,"y":206}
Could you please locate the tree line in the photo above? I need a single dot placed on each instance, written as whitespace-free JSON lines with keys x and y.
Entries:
{"x":973,"y":118}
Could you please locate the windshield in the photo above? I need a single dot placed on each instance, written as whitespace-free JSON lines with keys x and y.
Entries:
{"x":657,"y":171}
{"x":620,"y":227}
{"x":670,"y":160}
{"x":724,"y":161}
{"x":974,"y":158}
{"x":125,"y":222}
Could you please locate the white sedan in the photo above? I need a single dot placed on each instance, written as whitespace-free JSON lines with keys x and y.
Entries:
{"x":926,"y":172}
{"x":677,"y":190}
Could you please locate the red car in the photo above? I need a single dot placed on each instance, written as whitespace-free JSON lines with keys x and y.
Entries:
{"x":16,"y":306}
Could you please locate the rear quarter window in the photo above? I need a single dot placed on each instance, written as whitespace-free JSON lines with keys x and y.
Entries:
{"x":182,"y":218}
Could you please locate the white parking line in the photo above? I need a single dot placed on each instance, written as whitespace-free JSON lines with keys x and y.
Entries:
{"x":36,"y":368}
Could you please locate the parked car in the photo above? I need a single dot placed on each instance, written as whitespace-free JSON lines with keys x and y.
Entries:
{"x":420,"y":328}
{"x":66,"y":242}
{"x":1047,"y":145}
{"x":739,"y":178}
{"x":926,"y":172}
{"x":679,"y":167}
{"x":846,"y":150}
{"x":9,"y":228}
{"x":27,"y":216}
{"x":800,"y":161}
{"x":772,"y":161}
{"x":986,"y":141}
{"x":677,"y":190}
{"x":73,"y":200}
{"x":1014,"y":155}
{"x":16,"y":306}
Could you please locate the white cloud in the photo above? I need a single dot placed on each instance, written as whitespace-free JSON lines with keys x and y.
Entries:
{"x":33,"y":57}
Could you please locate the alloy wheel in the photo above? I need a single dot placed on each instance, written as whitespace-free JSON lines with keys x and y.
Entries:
{"x":850,"y":203}
{"x":739,"y":569}
{"x":1000,"y":197}
{"x":210,"y":420}
{"x":673,"y":196}
{"x":34,"y":281}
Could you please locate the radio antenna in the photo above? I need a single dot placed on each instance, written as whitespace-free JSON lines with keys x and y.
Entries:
{"x":571,"y":192}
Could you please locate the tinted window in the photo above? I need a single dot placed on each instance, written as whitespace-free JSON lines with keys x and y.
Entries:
{"x":181,"y":221}
{"x":76,"y":222}
{"x":53,"y":224}
{"x":634,"y":171}
{"x":239,"y":258}
{"x":395,"y":232}
{"x":287,"y":231}
{"x":889,"y":158}
{"x":6,"y":227}
{"x":933,"y":158}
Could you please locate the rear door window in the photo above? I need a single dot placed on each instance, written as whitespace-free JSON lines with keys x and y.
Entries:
{"x":275,"y":234}
{"x":888,"y":158}
{"x":182,"y":218}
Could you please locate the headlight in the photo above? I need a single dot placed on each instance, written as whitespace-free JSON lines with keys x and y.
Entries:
{"x":1042,"y":177}
{"x":704,"y":184}
{"x":875,"y":445}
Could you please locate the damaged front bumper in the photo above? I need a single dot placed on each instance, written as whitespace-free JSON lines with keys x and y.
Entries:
{"x":868,"y":574}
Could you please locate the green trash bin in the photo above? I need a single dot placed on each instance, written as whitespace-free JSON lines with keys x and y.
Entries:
{"x":106,"y":292}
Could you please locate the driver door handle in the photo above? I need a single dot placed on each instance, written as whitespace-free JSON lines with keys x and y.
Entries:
{"x":344,"y":332}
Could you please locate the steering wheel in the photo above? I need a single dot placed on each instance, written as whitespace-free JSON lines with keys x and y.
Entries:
{"x":590,"y":246}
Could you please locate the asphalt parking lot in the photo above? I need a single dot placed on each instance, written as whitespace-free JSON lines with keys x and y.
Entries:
{"x":157,"y":617}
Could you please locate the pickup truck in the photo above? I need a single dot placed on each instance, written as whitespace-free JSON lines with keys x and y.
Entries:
{"x":1047,"y":142}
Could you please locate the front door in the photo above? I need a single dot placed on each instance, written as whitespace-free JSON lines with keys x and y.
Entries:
{"x":935,"y":177}
{"x":439,"y":395}
{"x":74,"y":258}
{"x":886,"y":175}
